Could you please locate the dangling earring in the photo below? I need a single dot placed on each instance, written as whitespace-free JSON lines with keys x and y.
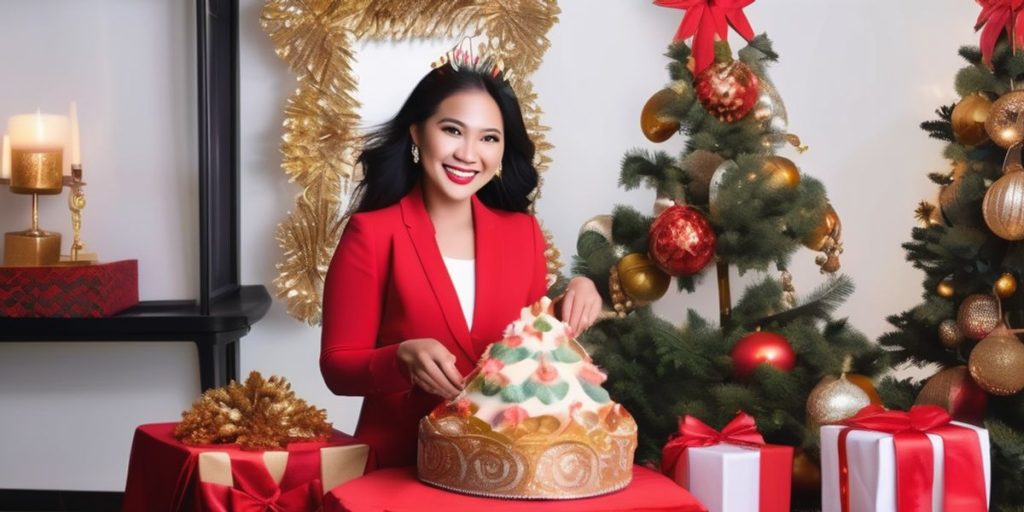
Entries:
{"x":415,"y":154}
{"x":497,"y":174}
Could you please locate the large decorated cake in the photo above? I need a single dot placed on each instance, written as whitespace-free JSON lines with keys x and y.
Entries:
{"x":532,"y":422}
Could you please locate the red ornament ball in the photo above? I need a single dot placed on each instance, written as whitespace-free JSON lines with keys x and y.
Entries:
{"x":728,"y":90}
{"x":761,"y":347}
{"x":681,"y":241}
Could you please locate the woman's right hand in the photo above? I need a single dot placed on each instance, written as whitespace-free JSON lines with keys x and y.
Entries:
{"x":431,"y":367}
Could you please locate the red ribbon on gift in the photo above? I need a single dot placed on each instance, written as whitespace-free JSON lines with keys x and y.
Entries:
{"x":964,"y":489}
{"x":706,"y":18}
{"x":997,"y":16}
{"x":300,"y":489}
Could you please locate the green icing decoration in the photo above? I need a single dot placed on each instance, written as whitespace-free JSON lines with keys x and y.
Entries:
{"x":564,"y":354}
{"x":515,"y":394}
{"x":490,"y":387}
{"x":549,"y":393}
{"x":541,"y":324}
{"x":595,"y":392}
{"x":509,"y":355}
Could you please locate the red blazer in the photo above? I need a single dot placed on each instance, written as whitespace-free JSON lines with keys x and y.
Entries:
{"x":387,"y":283}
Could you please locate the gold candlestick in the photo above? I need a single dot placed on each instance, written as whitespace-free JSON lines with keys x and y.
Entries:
{"x":76,"y":203}
{"x":35,"y":173}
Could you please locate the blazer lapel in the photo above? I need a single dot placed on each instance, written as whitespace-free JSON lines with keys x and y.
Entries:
{"x":489,"y":251}
{"x":421,"y":231}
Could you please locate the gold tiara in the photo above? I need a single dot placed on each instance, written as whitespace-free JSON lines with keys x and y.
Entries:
{"x":473,"y":53}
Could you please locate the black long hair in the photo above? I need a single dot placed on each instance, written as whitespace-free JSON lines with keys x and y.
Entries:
{"x":389,"y":172}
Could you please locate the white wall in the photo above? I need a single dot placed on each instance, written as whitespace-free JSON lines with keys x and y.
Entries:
{"x":856,"y":82}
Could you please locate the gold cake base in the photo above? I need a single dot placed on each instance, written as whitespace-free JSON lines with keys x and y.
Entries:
{"x":31,"y":248}
{"x":464,"y":454}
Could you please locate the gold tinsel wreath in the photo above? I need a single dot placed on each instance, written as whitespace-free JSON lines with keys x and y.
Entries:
{"x":260,"y":414}
{"x":317,"y":39}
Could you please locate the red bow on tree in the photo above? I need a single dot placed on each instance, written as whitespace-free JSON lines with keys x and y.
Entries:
{"x":704,"y":19}
{"x":996,"y":16}
{"x":694,"y":433}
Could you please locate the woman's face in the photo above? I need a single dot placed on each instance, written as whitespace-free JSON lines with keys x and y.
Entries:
{"x":460,"y":145}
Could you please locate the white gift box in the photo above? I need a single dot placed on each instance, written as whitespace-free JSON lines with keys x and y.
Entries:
{"x":727,"y":478}
{"x":871,"y":462}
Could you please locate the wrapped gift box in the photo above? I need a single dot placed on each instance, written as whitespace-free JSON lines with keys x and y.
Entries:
{"x":164,"y":474}
{"x":93,"y":291}
{"x":871,"y":466}
{"x":732,"y":470}
{"x":729,"y":478}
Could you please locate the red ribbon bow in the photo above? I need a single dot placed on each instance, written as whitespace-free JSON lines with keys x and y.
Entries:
{"x":964,"y":488}
{"x":305,"y":497}
{"x":706,"y":18}
{"x":996,"y":16}
{"x":694,"y":433}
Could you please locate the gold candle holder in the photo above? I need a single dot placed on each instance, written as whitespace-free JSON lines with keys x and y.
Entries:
{"x":35,"y":173}
{"x":76,"y":203}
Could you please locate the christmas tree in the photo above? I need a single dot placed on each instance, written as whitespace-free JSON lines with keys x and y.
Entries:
{"x":967,"y":247}
{"x":730,"y":199}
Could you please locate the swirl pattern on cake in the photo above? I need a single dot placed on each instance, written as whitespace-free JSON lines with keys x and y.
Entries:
{"x":533,"y":422}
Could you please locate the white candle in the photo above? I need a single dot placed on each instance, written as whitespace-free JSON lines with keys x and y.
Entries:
{"x":5,"y":165}
{"x":76,"y":148}
{"x":38,"y":132}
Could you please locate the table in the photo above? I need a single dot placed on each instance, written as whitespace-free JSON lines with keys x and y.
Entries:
{"x":398,"y":490}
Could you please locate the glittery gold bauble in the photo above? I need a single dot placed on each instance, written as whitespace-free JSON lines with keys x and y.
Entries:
{"x":806,"y":473}
{"x":834,"y":399}
{"x":954,"y":390}
{"x":640,"y":278}
{"x":945,"y":288}
{"x":782,"y":173}
{"x":700,"y":166}
{"x":949,"y":334}
{"x":978,"y":315}
{"x":815,"y":240}
{"x":866,"y":385}
{"x":1005,"y":286}
{"x":658,"y":127}
{"x":969,"y":119}
{"x":997,"y":363}
{"x":1003,"y":122}
{"x":1003,"y":206}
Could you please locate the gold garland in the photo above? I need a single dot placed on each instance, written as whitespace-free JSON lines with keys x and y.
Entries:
{"x":260,"y":414}
{"x":316,"y":38}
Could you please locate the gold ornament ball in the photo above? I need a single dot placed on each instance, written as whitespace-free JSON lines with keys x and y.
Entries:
{"x":1003,"y":124}
{"x":978,"y":316}
{"x":1005,"y":286}
{"x":656,"y":126}
{"x":969,"y":119}
{"x":954,"y":390}
{"x":782,"y":173}
{"x":945,"y":288}
{"x":815,"y":240}
{"x":997,"y":363}
{"x":834,"y":399}
{"x":806,"y":473}
{"x":1003,"y":206}
{"x":949,"y":334}
{"x":641,"y":279}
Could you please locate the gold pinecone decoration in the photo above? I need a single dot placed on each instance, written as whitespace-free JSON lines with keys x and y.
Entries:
{"x":261,"y":414}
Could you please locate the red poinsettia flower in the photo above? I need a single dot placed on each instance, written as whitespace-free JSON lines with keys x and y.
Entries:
{"x":706,"y":18}
{"x":997,"y":16}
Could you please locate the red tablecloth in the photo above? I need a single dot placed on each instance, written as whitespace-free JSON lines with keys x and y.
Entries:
{"x":398,"y":490}
{"x":163,"y":473}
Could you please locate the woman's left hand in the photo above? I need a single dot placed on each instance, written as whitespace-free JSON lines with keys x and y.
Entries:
{"x":581,"y":304}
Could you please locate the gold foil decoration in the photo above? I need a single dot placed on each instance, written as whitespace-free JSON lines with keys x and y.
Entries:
{"x":927,"y":214}
{"x":317,"y":39}
{"x":949,"y":334}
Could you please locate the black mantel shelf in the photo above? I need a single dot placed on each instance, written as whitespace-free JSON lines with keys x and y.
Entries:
{"x":216,"y":335}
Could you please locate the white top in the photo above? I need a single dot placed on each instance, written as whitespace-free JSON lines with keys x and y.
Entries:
{"x":463,"y":275}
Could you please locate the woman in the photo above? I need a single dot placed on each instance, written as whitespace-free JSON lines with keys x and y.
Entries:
{"x":439,"y":256}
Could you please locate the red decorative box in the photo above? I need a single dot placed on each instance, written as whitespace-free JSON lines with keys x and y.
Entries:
{"x":97,"y":290}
